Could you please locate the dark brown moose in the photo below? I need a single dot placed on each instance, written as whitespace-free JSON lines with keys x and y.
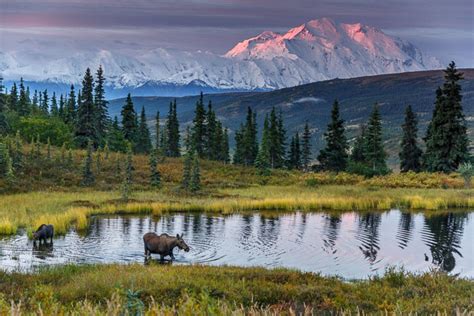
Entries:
{"x":163,"y":244}
{"x":43,"y":233}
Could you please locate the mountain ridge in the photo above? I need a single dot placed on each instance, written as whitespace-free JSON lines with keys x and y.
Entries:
{"x":314,"y":51}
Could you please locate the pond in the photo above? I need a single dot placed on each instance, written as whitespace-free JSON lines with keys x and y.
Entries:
{"x":351,"y":245}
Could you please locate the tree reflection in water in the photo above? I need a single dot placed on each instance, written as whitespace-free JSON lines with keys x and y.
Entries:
{"x":405,"y":229}
{"x":332,"y":224}
{"x":368,"y":235}
{"x":442,"y":234}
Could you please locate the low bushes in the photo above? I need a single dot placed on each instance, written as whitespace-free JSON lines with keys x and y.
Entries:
{"x":393,"y":180}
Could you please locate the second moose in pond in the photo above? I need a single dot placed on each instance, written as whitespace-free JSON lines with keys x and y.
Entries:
{"x":163,"y":245}
{"x":43,"y":233}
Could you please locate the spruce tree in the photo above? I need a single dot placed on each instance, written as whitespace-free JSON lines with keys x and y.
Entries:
{"x":410,"y":154}
{"x":306,"y":147}
{"x":294,"y":155}
{"x":446,"y":139}
{"x":115,"y":138}
{"x":129,"y":120}
{"x":225,"y":147}
{"x":3,"y":100}
{"x":187,"y":169}
{"x":173,"y":148}
{"x":70,"y":115}
{"x":23,"y":105}
{"x":88,"y":178}
{"x":212,"y":141}
{"x":334,"y":156}
{"x":143,"y":144}
{"x":195,"y":182}
{"x":155,"y":176}
{"x":358,"y":150}
{"x":86,"y":127}
{"x":127,"y":179}
{"x":263,"y":159}
{"x":13,"y":98}
{"x":246,"y":141}
{"x":375,"y":153}
{"x":61,"y":107}
{"x":54,"y":106}
{"x":199,"y":128}
{"x":101,"y":108}
{"x":157,"y":131}
{"x":45,"y":103}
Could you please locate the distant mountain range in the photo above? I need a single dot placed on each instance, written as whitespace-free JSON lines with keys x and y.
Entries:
{"x":314,"y":51}
{"x":312,"y":103}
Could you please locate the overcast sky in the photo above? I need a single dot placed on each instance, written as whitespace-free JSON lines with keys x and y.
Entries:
{"x":443,"y":28}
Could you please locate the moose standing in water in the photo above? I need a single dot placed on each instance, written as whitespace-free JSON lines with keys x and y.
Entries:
{"x":163,"y":245}
{"x":43,"y":233}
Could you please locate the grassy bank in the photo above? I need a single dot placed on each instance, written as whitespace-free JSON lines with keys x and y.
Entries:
{"x":63,"y":209}
{"x":204,"y":290}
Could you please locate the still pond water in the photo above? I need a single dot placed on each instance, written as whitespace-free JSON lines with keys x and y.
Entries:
{"x":352,"y":245}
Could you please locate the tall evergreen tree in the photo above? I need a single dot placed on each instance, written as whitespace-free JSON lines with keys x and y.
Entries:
{"x":410,"y":154}
{"x":101,"y":108}
{"x":23,"y":105}
{"x":88,"y":178}
{"x":195,"y":183}
{"x":127,"y":179}
{"x":375,"y":153}
{"x":70,"y":115}
{"x":13,"y":98}
{"x":129,"y":120}
{"x":294,"y":156}
{"x":358,"y":150}
{"x":187,"y":169}
{"x":225,"y":147}
{"x":173,"y":148}
{"x":3,"y":100}
{"x":61,"y":107}
{"x":35,"y":102}
{"x":277,"y":149}
{"x":263,"y":159}
{"x":45,"y":103}
{"x":246,"y":141}
{"x":86,"y":126}
{"x":115,"y":138}
{"x":155,"y":176}
{"x":143,"y":144}
{"x":446,"y":139}
{"x":306,"y":147}
{"x":54,"y":106}
{"x":213,"y":135}
{"x":199,"y":128}
{"x":334,"y":156}
{"x":157,"y":131}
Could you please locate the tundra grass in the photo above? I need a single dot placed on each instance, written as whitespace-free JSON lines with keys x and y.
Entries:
{"x":206,"y":290}
{"x":63,"y":209}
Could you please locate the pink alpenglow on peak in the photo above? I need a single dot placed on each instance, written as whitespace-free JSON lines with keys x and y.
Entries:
{"x":317,"y":50}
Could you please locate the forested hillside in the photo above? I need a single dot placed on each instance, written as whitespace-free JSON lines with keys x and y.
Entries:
{"x":312,"y":103}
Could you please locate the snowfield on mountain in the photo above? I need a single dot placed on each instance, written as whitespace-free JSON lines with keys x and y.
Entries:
{"x":314,"y":51}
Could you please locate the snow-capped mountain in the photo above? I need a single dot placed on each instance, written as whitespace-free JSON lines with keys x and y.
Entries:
{"x":317,"y":50}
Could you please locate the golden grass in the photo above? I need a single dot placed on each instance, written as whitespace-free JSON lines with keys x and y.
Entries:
{"x":205,"y":290}
{"x":64,"y":209}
